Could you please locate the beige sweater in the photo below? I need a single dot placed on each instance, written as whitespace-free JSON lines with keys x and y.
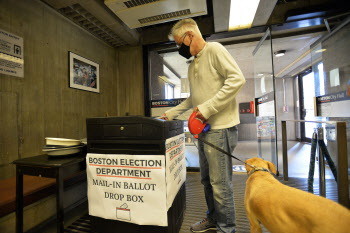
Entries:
{"x":215,"y":80}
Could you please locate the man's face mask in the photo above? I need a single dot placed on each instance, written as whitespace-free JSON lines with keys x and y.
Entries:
{"x":184,"y":50}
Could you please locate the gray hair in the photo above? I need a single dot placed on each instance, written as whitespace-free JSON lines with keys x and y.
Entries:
{"x":182,"y":26}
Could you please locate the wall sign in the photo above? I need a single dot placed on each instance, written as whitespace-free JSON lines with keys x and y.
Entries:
{"x":265,"y":105}
{"x":11,"y":54}
{"x":136,"y":188}
{"x":166,"y":103}
{"x":333,"y":105}
{"x":158,"y":107}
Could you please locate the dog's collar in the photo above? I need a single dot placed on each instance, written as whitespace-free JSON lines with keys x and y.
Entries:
{"x":257,"y":169}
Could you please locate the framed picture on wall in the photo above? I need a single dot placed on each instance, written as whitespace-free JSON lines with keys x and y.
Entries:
{"x":83,"y":73}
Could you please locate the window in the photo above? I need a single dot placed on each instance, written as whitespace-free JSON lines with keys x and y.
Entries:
{"x":262,"y":85}
{"x":321,"y":78}
{"x":308,"y":102}
{"x":169,"y":91}
{"x":334,"y":75}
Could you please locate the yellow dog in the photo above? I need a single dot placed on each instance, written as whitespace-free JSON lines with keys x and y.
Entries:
{"x":282,"y":209}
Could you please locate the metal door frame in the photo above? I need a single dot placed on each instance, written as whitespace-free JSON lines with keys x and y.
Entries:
{"x":262,"y":40}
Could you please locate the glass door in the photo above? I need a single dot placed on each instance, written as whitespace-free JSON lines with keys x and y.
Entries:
{"x":265,"y":99}
{"x":307,"y":94}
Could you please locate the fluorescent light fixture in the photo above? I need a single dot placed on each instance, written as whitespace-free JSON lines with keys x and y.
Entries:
{"x":280,"y":53}
{"x":242,"y":13}
{"x":320,"y":50}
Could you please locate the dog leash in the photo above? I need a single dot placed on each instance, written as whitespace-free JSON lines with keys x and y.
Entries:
{"x":255,"y":169}
{"x":223,"y":151}
{"x":197,"y":126}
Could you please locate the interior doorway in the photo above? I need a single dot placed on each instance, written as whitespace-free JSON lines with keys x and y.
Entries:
{"x":311,"y":81}
{"x":306,"y":95}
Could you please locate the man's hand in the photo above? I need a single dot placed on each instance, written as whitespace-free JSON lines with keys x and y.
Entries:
{"x":164,"y":117}
{"x":199,"y":115}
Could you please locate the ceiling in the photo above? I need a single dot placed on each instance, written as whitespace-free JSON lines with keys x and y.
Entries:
{"x":295,"y":25}
{"x":99,"y":18}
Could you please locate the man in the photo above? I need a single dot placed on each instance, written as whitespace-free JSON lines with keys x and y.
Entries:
{"x":215,"y":80}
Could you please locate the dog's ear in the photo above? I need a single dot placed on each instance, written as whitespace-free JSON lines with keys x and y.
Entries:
{"x":272,"y":167}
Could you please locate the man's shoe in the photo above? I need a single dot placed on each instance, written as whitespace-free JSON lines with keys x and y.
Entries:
{"x":203,"y":226}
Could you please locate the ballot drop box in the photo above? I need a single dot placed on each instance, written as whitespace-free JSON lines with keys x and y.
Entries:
{"x":136,"y":170}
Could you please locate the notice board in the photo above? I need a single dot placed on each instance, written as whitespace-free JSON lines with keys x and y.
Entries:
{"x":11,"y":54}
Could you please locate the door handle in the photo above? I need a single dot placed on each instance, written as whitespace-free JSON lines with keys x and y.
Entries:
{"x":303,"y":112}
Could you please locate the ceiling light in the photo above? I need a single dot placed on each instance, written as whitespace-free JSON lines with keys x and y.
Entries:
{"x":242,"y":13}
{"x":280,"y":53}
{"x":320,"y":50}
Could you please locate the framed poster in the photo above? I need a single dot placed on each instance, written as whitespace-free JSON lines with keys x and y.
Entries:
{"x":83,"y":73}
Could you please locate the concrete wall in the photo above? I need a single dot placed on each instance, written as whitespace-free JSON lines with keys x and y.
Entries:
{"x":130,"y":85}
{"x":42,"y":105}
{"x":156,"y":69}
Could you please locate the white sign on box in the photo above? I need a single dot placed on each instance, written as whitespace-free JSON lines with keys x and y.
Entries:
{"x":127,"y":188}
{"x":175,"y":166}
{"x":136,"y":188}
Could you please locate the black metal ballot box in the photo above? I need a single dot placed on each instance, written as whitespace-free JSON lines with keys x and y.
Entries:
{"x":134,"y":136}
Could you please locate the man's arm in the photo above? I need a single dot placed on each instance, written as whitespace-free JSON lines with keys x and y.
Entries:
{"x":176,"y":111}
{"x":234,"y":81}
